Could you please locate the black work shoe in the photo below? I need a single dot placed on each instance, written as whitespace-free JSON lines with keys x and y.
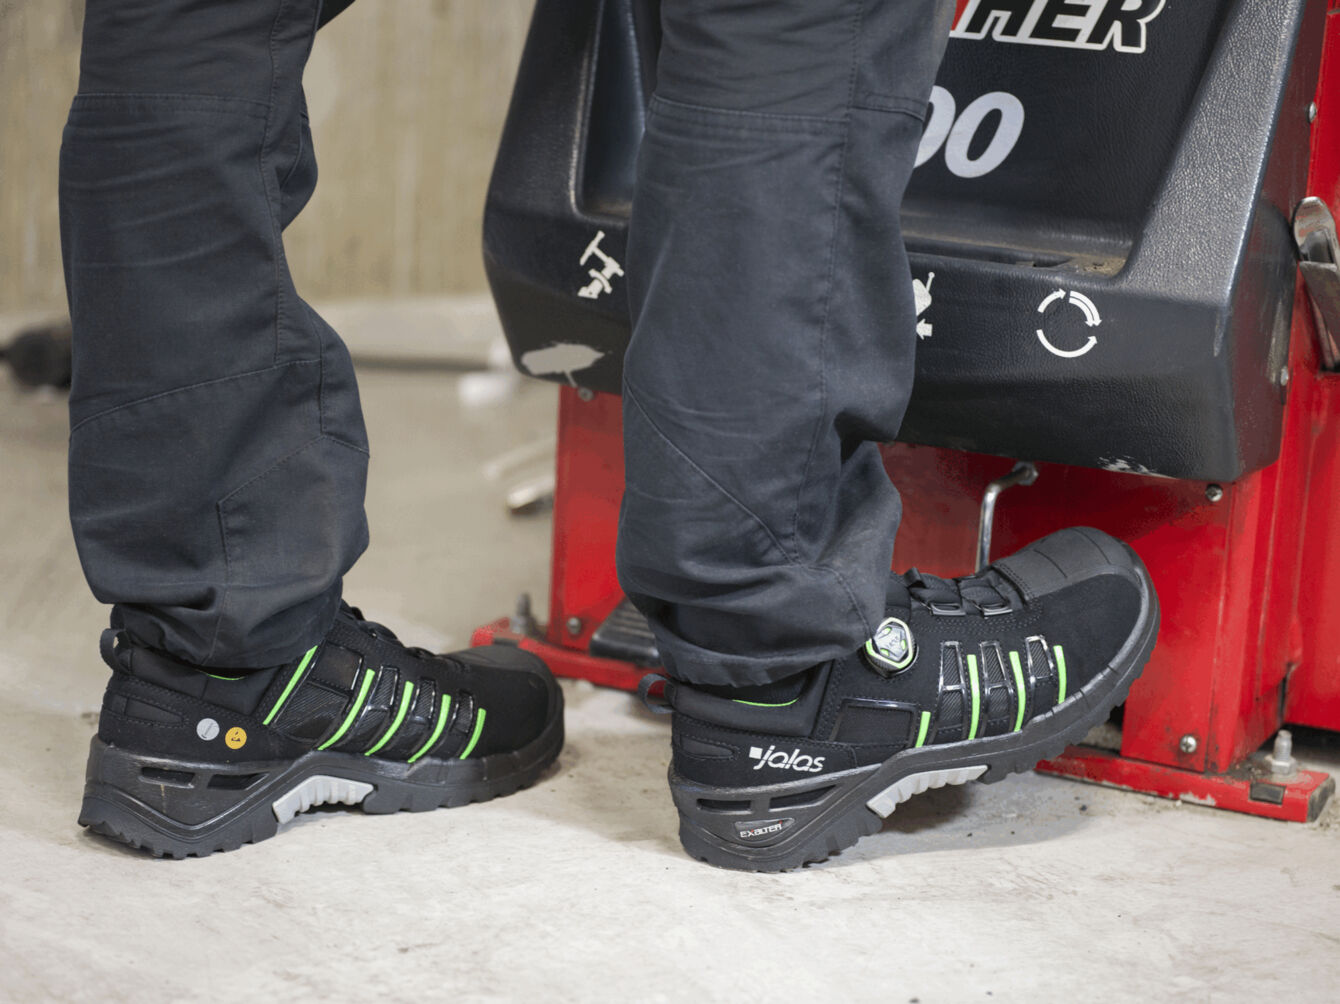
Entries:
{"x":186,"y":762}
{"x":969,"y":679}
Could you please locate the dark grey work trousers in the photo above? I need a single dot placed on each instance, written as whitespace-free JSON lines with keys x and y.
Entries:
{"x":217,"y":449}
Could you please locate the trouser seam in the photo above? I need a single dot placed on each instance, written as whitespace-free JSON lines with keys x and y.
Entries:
{"x":219,"y":507}
{"x":630,"y":397}
{"x":311,"y":40}
{"x":829,"y":277}
{"x":271,"y":199}
{"x":111,"y":97}
{"x":747,"y":120}
{"x":188,"y":387}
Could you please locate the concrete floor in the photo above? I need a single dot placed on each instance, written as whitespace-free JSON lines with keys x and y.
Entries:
{"x":1032,"y":889}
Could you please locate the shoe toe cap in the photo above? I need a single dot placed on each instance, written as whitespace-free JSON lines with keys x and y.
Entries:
{"x":1069,"y":557}
{"x":518,"y":692}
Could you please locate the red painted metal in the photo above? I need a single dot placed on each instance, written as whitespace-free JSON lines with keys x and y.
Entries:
{"x":588,"y":485}
{"x":1300,"y":800}
{"x":1249,"y":584}
{"x":564,"y":661}
{"x":1314,"y":689}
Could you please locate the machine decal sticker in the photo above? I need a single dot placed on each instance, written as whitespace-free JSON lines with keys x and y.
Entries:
{"x":600,"y":277}
{"x":1071,"y":24}
{"x":921,"y":292}
{"x":1091,"y":319}
{"x":565,"y":357}
{"x":946,"y":127}
{"x":1125,"y":465}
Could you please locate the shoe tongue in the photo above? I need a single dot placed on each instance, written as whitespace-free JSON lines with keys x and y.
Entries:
{"x":897,"y":598}
{"x":989,"y":587}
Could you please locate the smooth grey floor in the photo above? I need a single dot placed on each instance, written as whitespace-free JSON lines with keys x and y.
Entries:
{"x":1032,"y":889}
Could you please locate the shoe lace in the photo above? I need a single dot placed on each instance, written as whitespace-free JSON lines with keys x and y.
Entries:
{"x":382,"y":631}
{"x":987,"y":593}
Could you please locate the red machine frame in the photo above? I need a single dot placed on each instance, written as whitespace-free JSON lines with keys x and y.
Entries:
{"x":1248,"y":573}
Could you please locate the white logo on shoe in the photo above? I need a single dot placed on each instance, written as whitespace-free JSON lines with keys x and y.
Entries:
{"x":785,"y":761}
{"x":759,"y":828}
{"x":207,"y":729}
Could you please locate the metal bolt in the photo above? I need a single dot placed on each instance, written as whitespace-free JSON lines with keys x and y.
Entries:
{"x":586,"y":394}
{"x":574,"y":625}
{"x":1214,"y":493}
{"x":523,"y":621}
{"x":1284,"y":376}
{"x":1312,"y":112}
{"x":1281,"y":758}
{"x":1188,"y":743}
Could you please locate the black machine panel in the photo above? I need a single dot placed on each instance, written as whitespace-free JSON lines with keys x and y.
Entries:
{"x":1098,"y":224}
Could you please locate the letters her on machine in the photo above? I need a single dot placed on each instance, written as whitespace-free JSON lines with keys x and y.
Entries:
{"x":1079,"y":24}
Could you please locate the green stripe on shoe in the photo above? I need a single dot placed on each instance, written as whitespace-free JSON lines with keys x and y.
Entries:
{"x":925,"y":726}
{"x":442,"y":711}
{"x":406,"y":696}
{"x":976,"y":695}
{"x":761,"y":704}
{"x":1018,"y":689}
{"x":368,"y":674}
{"x":474,"y":737}
{"x":292,"y":682}
{"x":1060,"y":675}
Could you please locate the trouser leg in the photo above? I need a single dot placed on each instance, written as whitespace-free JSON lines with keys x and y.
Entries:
{"x":217,"y":449}
{"x":773,"y":327}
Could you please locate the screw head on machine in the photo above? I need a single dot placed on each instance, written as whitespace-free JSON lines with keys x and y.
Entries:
{"x":1188,"y":743}
{"x":1214,"y":493}
{"x":574,"y":625}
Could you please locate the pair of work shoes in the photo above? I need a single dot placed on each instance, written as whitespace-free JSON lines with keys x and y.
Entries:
{"x":965,"y":679}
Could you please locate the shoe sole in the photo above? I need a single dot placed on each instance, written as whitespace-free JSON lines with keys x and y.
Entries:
{"x":178,"y":809}
{"x":783,"y":826}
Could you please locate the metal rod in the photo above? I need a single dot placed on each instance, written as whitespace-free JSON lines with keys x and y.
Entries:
{"x":1024,"y":473}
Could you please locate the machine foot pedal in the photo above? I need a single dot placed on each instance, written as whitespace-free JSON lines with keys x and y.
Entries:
{"x":626,"y":635}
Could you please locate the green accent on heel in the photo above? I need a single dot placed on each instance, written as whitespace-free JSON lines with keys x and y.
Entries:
{"x":443,"y":709}
{"x":474,"y":738}
{"x":761,"y":704}
{"x":292,"y":682}
{"x":1060,"y":675}
{"x":925,"y":726}
{"x":368,"y":674}
{"x":976,"y":695}
{"x":1018,"y":689}
{"x":406,"y":696}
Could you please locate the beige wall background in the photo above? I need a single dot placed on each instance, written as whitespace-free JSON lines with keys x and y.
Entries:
{"x":406,"y":98}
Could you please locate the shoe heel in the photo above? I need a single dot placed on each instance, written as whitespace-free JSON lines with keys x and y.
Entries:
{"x":172,"y":808}
{"x":772,"y":827}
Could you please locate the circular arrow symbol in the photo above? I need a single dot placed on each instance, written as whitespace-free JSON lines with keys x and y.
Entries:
{"x":1091,"y":318}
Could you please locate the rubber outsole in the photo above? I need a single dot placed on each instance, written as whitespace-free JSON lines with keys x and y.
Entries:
{"x":177,"y":809}
{"x":784,"y":826}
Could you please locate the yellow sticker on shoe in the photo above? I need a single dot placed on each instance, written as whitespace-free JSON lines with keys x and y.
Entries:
{"x":236,"y":738}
